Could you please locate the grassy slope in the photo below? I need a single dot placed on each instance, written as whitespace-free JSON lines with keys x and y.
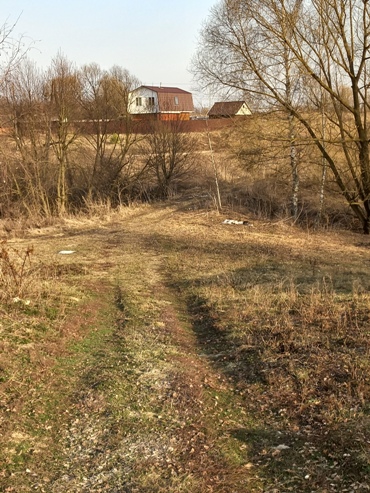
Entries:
{"x":172,"y":353}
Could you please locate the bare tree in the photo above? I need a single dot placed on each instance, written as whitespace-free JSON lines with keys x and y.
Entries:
{"x":24,"y":110}
{"x":63,"y":92}
{"x":246,"y":44}
{"x":170,"y":154}
{"x":108,"y":126}
{"x":13,"y":49}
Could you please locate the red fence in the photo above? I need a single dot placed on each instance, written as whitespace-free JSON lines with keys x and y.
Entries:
{"x":145,"y":126}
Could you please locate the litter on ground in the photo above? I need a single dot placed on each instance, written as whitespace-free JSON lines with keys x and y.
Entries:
{"x":233,"y":221}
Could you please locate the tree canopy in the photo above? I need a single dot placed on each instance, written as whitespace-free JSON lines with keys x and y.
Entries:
{"x":310,"y":58}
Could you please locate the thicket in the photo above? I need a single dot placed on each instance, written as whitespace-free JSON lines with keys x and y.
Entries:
{"x":68,"y":143}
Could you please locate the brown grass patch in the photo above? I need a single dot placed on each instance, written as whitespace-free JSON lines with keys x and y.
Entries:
{"x":239,"y":360}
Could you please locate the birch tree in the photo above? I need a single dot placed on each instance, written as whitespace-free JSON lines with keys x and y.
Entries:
{"x":246,"y":45}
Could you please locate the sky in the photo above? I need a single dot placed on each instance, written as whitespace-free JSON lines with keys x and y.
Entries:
{"x":154,"y":39}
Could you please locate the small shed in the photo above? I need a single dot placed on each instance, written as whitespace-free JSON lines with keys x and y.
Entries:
{"x":228,"y":109}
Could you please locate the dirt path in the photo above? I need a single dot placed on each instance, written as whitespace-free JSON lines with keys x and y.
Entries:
{"x":149,"y":412}
{"x":151,"y":380}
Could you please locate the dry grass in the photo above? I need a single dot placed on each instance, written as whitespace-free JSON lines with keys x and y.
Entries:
{"x":15,"y":272}
{"x":284,"y":315}
{"x":174,"y":353}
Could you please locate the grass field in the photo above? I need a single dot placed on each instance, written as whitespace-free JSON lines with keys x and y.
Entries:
{"x":174,"y":353}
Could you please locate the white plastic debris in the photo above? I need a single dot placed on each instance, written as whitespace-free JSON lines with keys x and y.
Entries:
{"x":66,"y":252}
{"x":234,"y":221}
{"x":282,"y":447}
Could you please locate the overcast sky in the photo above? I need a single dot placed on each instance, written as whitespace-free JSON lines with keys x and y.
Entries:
{"x":154,"y":39}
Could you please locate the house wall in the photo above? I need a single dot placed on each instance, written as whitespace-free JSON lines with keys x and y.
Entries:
{"x":145,"y":107}
{"x":169,"y":117}
{"x":174,"y":116}
{"x":244,"y":111}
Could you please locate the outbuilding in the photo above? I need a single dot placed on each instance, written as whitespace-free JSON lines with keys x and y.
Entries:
{"x":228,"y":109}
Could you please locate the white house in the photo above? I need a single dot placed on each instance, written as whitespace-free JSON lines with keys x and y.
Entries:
{"x":162,"y":103}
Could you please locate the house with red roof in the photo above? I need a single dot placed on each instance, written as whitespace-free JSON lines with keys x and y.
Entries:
{"x":160,"y":103}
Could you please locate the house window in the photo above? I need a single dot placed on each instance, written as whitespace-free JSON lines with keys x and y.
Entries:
{"x":176,"y":101}
{"x":138,"y":102}
{"x":151,"y":101}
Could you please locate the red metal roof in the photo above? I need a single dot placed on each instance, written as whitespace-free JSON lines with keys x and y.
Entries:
{"x":162,"y":90}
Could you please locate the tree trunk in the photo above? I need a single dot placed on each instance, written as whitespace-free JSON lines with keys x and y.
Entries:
{"x":294,"y":166}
